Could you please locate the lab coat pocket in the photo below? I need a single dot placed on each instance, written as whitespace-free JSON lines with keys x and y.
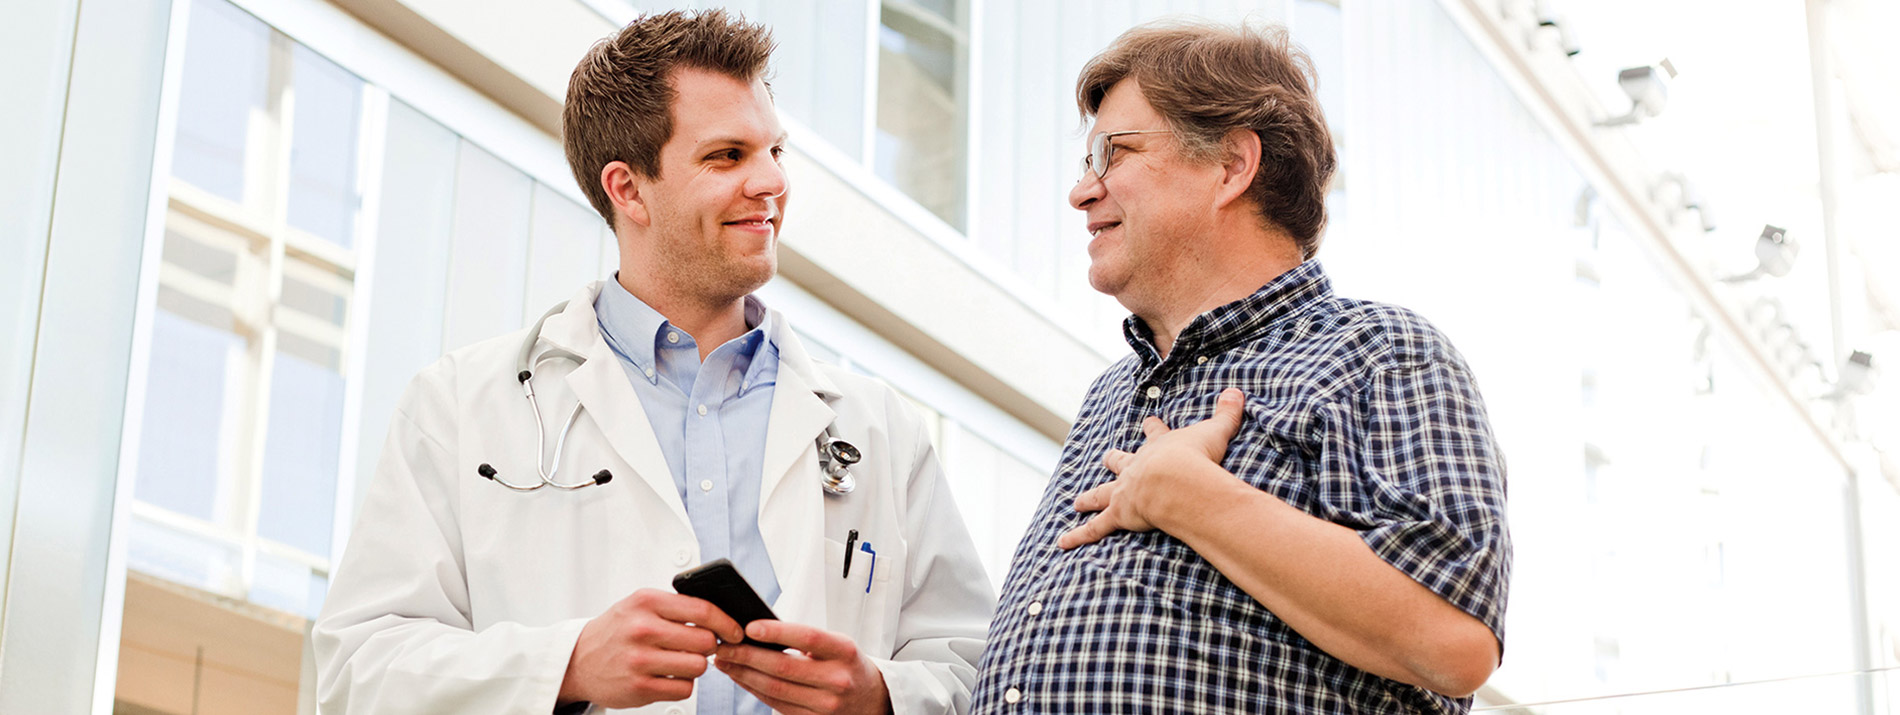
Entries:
{"x":845,"y":591}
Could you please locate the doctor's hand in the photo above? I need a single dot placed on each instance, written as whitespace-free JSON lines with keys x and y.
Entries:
{"x":826,"y":675}
{"x":647,"y":648}
{"x":1159,"y":480}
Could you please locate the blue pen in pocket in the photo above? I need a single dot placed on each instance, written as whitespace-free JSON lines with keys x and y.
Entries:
{"x":865,"y":546}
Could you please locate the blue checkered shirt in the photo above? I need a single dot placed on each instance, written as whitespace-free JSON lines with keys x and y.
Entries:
{"x":1358,"y":413}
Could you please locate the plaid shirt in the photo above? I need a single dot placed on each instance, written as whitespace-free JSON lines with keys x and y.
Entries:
{"x":1358,"y":413}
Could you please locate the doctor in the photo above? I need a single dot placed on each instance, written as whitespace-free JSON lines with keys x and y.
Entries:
{"x":461,"y":593}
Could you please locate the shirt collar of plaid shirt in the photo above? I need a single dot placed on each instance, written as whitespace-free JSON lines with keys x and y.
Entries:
{"x":1287,"y":295}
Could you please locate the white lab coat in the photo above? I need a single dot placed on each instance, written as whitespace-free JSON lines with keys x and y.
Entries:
{"x":458,"y":595}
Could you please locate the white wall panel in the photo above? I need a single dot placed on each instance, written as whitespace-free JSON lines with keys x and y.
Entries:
{"x":563,"y":250}
{"x":36,"y":42}
{"x":59,"y":593}
{"x":488,"y":260}
{"x":410,"y":285}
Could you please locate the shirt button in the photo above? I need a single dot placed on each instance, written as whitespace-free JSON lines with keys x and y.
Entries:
{"x":680,"y":557}
{"x":672,"y":337}
{"x":676,"y":710}
{"x":1012,"y":696}
{"x":1202,"y":360}
{"x":705,"y":485}
{"x":1154,"y":392}
{"x":702,"y":410}
{"x":649,"y":372}
{"x":1035,"y":608}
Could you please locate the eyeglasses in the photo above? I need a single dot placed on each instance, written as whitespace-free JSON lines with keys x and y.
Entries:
{"x":1100,"y":152}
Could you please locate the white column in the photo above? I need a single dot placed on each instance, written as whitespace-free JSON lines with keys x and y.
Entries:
{"x":60,"y":595}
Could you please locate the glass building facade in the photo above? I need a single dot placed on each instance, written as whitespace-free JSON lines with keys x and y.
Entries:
{"x":322,"y":198}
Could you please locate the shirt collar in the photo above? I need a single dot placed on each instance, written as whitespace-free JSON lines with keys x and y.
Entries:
{"x":1288,"y":294}
{"x":633,"y":328}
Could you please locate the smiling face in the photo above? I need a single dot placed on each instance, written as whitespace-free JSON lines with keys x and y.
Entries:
{"x":707,"y":225}
{"x":1148,"y":217}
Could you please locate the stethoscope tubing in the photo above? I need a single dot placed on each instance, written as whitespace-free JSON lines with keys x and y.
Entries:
{"x":835,"y":456}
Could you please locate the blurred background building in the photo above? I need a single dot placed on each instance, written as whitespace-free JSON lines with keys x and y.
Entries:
{"x":1666,"y":234}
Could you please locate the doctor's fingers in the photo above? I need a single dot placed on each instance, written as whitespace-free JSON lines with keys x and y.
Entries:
{"x":826,"y":675}
{"x":814,"y":642}
{"x":660,"y":663}
{"x":668,"y":635}
{"x":684,"y":609}
{"x":782,"y":695}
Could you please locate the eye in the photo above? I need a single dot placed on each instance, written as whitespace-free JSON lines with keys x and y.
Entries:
{"x":724,"y":155}
{"x":778,"y":152}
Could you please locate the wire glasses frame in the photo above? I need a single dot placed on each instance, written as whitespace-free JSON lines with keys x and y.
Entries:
{"x":1100,"y":152}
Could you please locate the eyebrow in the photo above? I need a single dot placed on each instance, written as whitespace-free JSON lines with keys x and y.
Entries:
{"x":737,"y":141}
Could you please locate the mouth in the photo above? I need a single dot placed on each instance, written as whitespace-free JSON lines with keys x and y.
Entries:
{"x":755,"y":222}
{"x":1097,"y":228}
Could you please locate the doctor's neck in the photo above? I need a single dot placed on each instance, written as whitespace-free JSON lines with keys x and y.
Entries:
{"x":712,"y":317}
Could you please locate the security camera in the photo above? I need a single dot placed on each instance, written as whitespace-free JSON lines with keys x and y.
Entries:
{"x":1647,"y":89}
{"x":1859,"y":376}
{"x":1774,"y":255}
{"x":1775,"y":252}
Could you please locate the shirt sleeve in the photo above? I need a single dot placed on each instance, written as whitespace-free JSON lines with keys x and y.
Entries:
{"x":1413,"y":466}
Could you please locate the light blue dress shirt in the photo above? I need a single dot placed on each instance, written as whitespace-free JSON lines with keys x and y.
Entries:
{"x":710,"y":419}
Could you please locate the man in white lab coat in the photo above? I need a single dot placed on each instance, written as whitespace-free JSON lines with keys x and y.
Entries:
{"x":683,"y":425}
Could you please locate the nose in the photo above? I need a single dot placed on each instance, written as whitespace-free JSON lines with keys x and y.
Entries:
{"x":1086,"y":191}
{"x":767,"y":178}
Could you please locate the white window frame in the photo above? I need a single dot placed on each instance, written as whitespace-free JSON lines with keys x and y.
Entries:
{"x":259,"y":224}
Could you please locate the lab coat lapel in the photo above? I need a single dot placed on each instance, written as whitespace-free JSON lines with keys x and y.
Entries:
{"x":791,"y":504}
{"x":601,"y":385}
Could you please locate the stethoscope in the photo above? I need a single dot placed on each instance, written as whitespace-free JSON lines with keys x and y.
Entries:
{"x":835,"y":456}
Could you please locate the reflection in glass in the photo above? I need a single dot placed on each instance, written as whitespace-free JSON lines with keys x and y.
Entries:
{"x":920,"y":107}
{"x":223,"y":99}
{"x":184,"y":250}
{"x":309,"y":293}
{"x":184,"y":414}
{"x":323,"y":197}
{"x":180,"y":557}
{"x":285,"y":585}
{"x":300,"y":455}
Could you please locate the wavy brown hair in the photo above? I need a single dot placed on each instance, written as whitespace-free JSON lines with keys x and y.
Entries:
{"x":620,"y":98}
{"x":1208,"y":79}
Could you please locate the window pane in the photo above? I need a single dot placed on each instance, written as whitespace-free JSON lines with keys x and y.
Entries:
{"x":179,"y":557}
{"x":298,"y":503}
{"x":486,"y":283}
{"x":184,"y":250}
{"x":314,"y":293}
{"x":323,"y":197}
{"x":563,"y":249}
{"x":920,"y":103}
{"x":286,"y":586}
{"x":224,"y":96}
{"x":184,"y":414}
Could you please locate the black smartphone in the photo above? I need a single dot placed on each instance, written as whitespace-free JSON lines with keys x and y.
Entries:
{"x":717,"y":581}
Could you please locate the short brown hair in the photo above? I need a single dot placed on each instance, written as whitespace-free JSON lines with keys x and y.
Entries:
{"x":1207,"y":80}
{"x":620,"y":98}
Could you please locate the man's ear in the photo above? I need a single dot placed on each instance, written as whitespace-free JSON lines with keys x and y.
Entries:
{"x":1241,"y":149}
{"x":625,"y":189}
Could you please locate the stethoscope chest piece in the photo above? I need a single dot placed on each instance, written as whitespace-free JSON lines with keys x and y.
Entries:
{"x":835,"y":457}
